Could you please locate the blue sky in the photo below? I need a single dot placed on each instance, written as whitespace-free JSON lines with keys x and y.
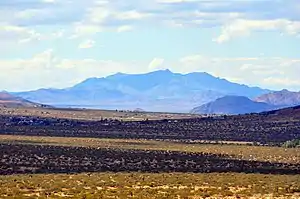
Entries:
{"x":58,"y":43}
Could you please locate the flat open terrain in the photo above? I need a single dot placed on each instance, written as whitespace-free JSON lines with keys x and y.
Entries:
{"x":55,"y":156}
{"x":233,"y":151}
{"x":264,"y":129}
{"x":91,"y":115}
{"x":158,"y":169}
{"x":149,"y":185}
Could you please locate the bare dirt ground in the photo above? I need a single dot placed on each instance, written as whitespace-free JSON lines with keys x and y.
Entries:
{"x":262,"y":129}
{"x":66,"y":153}
{"x":232,"y":151}
{"x":55,"y":167}
{"x":92,"y":115}
{"x":149,"y":185}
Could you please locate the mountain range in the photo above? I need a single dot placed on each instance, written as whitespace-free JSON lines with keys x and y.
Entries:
{"x":160,"y":90}
{"x":233,"y":105}
{"x":283,"y":98}
{"x":8,"y":100}
{"x":241,"y":105}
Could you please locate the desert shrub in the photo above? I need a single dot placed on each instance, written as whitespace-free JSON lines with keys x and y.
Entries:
{"x":292,"y":143}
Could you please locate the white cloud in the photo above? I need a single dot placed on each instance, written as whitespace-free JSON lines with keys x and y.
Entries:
{"x":32,"y":22}
{"x":125,"y":28}
{"x":131,"y":14}
{"x":175,"y":1}
{"x":24,"y":69}
{"x":49,"y":1}
{"x":283,"y":81}
{"x":16,"y":34}
{"x":268,"y":72}
{"x":97,"y":15}
{"x":156,"y":63}
{"x":87,"y":44}
{"x":28,"y":14}
{"x":84,"y":30}
{"x":46,"y":69}
{"x":244,"y":27}
{"x":192,"y":58}
{"x":98,"y":19}
{"x":94,"y":16}
{"x":18,"y":37}
{"x":58,"y":34}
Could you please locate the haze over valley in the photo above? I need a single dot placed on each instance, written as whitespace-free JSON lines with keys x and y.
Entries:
{"x":160,"y":90}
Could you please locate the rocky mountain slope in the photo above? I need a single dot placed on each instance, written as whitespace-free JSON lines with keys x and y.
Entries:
{"x":8,"y":100}
{"x":282,"y":98}
{"x":233,"y":105}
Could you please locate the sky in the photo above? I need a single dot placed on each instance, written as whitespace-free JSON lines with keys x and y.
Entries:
{"x":58,"y":43}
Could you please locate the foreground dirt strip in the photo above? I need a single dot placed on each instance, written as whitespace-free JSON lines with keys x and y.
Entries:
{"x":137,"y":185}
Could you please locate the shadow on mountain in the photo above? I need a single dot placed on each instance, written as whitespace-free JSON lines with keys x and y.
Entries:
{"x":28,"y":159}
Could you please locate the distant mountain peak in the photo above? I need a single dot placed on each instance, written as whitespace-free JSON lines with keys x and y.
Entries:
{"x":232,"y":105}
{"x":199,"y":73}
{"x":160,"y":88}
{"x":233,"y":97}
{"x":280,"y":98}
{"x":9,"y":100}
{"x":162,"y":71}
{"x":284,"y":90}
{"x":117,"y":75}
{"x":4,"y":95}
{"x":166,"y":70}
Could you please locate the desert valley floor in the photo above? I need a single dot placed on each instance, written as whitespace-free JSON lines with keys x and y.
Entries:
{"x":61,"y":153}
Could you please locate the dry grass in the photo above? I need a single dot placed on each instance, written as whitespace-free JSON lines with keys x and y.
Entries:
{"x":89,"y":114}
{"x":244,"y":152}
{"x":150,"y":185}
{"x":146,"y":185}
{"x":137,"y":185}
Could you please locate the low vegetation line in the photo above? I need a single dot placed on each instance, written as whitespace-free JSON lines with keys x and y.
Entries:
{"x":149,"y":185}
{"x":245,"y":152}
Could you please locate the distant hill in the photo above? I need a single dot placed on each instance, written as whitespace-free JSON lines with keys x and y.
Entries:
{"x":233,"y":105}
{"x":293,"y":111}
{"x":8,"y":100}
{"x":282,"y":98}
{"x":160,"y":90}
{"x":139,"y":110}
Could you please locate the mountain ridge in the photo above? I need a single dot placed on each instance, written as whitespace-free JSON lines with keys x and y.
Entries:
{"x":163,"y":89}
{"x":282,"y":98}
{"x":9,"y":100}
{"x":233,"y":105}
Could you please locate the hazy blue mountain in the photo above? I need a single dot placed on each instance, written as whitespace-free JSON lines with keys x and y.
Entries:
{"x":8,"y":100}
{"x":282,"y":98}
{"x":71,"y":96}
{"x":162,"y":89}
{"x":233,"y":105}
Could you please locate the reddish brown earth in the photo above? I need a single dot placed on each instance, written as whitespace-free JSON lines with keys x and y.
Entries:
{"x":8,"y":100}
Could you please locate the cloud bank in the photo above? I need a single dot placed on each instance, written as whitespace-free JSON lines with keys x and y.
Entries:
{"x":43,"y":24}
